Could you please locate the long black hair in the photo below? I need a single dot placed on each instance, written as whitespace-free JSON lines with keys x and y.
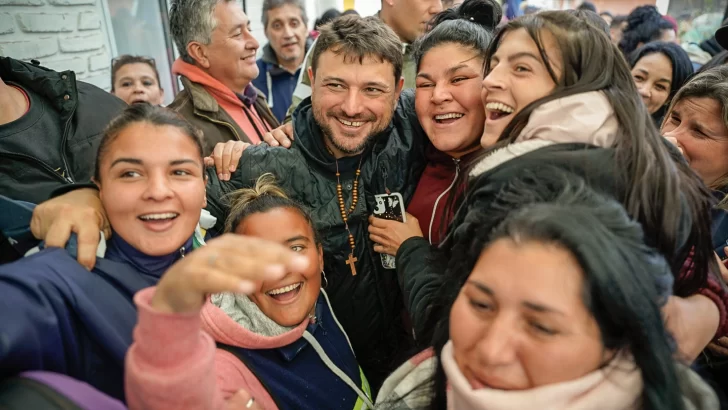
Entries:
{"x":625,"y":281}
{"x":644,"y":24}
{"x":682,"y":69}
{"x":661,"y":193}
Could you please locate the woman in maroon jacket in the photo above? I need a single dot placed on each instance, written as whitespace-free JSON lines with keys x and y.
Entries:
{"x":449,"y":62}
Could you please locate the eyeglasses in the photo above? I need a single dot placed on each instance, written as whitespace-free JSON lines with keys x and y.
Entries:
{"x":130,"y":59}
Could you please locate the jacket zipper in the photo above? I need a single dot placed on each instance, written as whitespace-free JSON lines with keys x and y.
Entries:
{"x":237,"y":137}
{"x":437,"y":201}
{"x":182,"y":252}
{"x":43,"y":165}
{"x":68,"y":175}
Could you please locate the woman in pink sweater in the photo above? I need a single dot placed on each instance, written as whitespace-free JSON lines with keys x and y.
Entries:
{"x":278,"y":341}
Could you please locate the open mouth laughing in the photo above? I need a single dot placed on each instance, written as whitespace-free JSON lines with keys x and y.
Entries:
{"x":498,"y":110}
{"x":285,"y":293}
{"x":448,"y":118}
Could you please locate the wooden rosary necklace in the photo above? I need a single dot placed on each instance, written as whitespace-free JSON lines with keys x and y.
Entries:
{"x":345,"y":213}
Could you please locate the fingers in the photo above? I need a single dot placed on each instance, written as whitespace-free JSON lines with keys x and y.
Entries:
{"x":380,"y":240}
{"x":262,"y":259}
{"x":88,"y":244}
{"x":59,"y":233}
{"x":287,"y":129}
{"x":236,"y":154}
{"x":281,"y":136}
{"x":217,"y":157}
{"x":209,"y":161}
{"x":381,"y":223}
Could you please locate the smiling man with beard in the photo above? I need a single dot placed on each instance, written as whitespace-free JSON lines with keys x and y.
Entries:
{"x":217,"y":66}
{"x":350,"y":145}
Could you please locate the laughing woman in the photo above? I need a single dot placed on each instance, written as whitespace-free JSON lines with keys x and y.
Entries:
{"x":557,"y":92}
{"x":449,"y":62}
{"x":278,"y":340}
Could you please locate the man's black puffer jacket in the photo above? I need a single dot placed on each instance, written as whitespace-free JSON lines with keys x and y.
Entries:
{"x":368,"y":305}
{"x":84,"y":111}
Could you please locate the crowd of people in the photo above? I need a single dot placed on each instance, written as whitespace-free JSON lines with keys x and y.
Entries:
{"x":448,"y":205}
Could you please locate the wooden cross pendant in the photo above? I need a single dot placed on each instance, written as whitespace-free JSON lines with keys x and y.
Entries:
{"x":350,"y":262}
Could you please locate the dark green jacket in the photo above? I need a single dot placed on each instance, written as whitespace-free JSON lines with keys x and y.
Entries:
{"x":369,"y":305}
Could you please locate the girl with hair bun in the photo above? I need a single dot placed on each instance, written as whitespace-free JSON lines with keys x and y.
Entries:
{"x":449,"y":60}
{"x":644,"y":25}
{"x":278,"y":341}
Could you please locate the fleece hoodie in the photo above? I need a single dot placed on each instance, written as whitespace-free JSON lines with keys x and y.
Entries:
{"x":618,"y":386}
{"x":239,"y":107}
{"x":174,"y":362}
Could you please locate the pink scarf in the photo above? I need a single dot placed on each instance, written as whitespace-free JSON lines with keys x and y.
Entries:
{"x":619,"y":386}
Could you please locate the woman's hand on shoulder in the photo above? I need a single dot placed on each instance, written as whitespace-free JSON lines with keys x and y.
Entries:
{"x":230,"y":263}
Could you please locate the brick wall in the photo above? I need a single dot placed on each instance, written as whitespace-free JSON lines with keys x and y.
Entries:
{"x":61,"y":34}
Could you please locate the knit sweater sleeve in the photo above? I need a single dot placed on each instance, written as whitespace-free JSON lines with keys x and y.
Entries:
{"x":173,"y":364}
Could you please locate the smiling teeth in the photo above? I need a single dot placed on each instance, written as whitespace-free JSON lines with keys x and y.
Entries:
{"x":350,"y":123}
{"x":284,"y":289}
{"x":150,"y":217}
{"x":499,"y":107}
{"x":451,"y":115}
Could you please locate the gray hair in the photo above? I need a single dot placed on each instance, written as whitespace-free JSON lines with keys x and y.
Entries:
{"x":269,"y":5}
{"x":192,"y":20}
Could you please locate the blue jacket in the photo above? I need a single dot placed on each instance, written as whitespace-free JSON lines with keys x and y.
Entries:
{"x":298,"y":377}
{"x":57,"y":316}
{"x":275,"y":82}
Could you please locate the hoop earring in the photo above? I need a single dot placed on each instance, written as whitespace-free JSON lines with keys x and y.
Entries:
{"x":326,"y":281}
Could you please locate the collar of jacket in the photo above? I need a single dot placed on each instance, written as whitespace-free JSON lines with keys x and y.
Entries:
{"x":309,"y":138}
{"x":203,"y":101}
{"x":271,"y":60}
{"x":52,"y":85}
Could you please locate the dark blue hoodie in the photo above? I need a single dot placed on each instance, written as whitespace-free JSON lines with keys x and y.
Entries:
{"x":57,"y":316}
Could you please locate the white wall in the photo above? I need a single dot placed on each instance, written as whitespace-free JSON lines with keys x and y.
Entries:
{"x":61,"y":34}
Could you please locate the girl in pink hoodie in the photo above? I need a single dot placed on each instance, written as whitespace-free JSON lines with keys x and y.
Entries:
{"x":279,"y":341}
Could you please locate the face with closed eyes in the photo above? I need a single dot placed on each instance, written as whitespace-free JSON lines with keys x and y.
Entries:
{"x":447,"y":98}
{"x":519,"y":321}
{"x":518,"y":76}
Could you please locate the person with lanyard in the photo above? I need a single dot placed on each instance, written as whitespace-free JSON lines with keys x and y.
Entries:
{"x":217,"y":74}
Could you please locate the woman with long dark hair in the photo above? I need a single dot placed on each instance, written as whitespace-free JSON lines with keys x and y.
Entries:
{"x":557,"y":92}
{"x":552,"y":299}
{"x":659,"y":69}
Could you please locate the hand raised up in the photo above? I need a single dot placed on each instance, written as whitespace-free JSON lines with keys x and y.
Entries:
{"x":230,"y":263}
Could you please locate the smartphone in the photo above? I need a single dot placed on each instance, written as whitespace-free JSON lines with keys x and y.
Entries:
{"x":390,"y":206}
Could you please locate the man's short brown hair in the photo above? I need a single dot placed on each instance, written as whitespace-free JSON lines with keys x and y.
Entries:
{"x":356,"y":38}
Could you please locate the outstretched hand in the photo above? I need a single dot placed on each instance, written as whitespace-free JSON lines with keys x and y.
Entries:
{"x":230,"y":263}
